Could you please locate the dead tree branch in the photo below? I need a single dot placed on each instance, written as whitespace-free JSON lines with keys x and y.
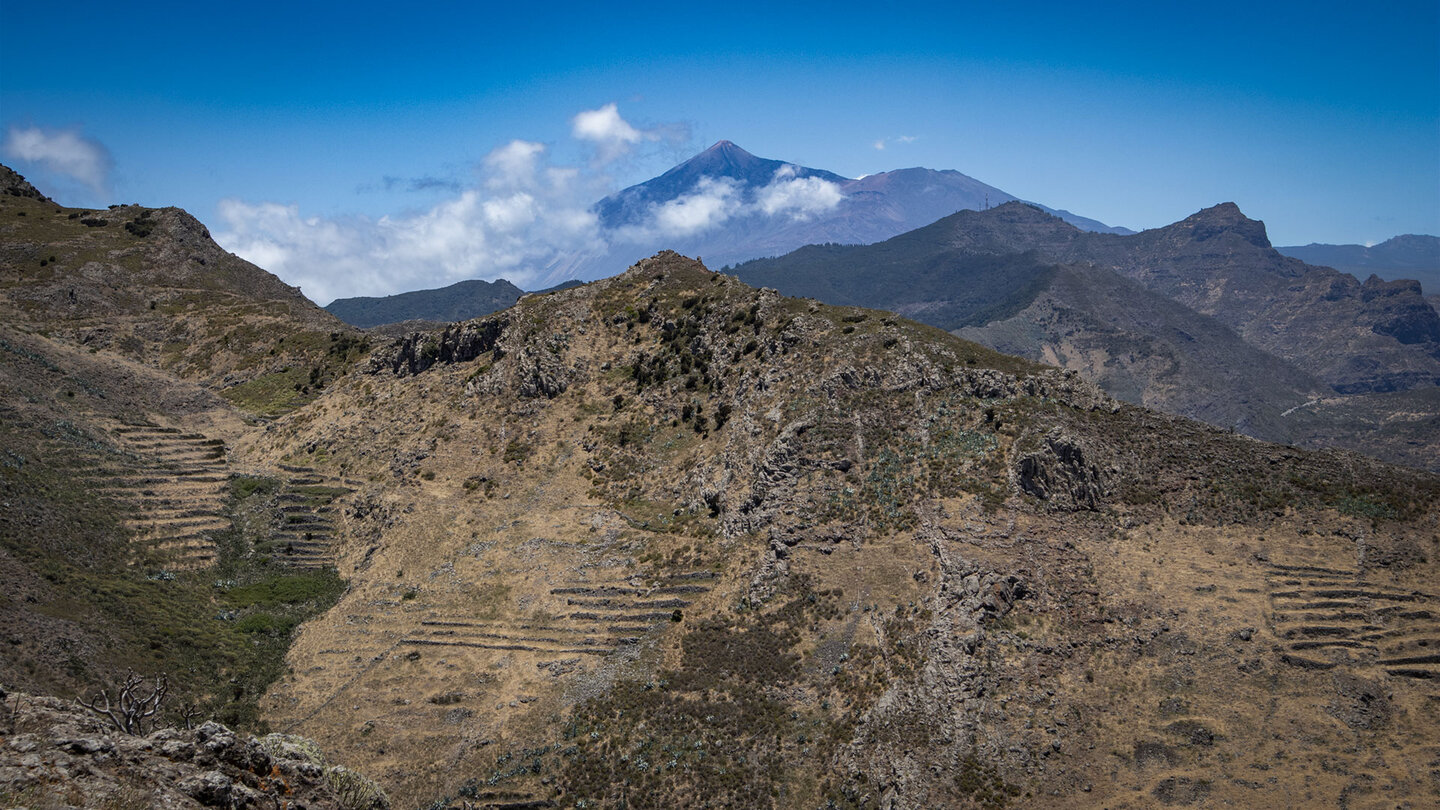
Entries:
{"x":133,"y":706}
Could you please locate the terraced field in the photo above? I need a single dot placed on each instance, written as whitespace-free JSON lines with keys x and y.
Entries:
{"x":1331,"y":617}
{"x":171,"y":485}
{"x":172,"y":488}
{"x":305,"y":537}
{"x":599,"y":620}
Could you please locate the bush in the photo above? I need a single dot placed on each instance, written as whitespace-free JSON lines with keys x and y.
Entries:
{"x":356,"y":792}
{"x":258,"y":623}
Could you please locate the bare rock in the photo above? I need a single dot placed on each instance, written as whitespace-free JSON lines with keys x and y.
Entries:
{"x":1063,"y":472}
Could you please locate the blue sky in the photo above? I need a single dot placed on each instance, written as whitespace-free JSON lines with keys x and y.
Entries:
{"x":365,"y":126}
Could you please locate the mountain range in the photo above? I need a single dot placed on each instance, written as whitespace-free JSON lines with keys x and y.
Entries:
{"x":1411,"y":256}
{"x":1201,"y":318}
{"x":665,"y":539}
{"x":729,"y":205}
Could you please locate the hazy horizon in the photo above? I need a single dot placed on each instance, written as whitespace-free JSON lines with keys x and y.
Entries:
{"x":416,"y":150}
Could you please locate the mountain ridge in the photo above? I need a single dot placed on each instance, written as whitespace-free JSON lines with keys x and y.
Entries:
{"x":1407,"y":256}
{"x":457,"y":302}
{"x":1178,"y":330}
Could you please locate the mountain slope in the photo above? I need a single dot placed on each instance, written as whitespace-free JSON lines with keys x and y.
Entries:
{"x":151,"y":285}
{"x":667,"y":539}
{"x":1411,"y":256}
{"x":1146,"y":349}
{"x":131,"y":536}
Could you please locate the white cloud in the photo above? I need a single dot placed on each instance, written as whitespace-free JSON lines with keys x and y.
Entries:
{"x":605,"y":125}
{"x":65,"y":152}
{"x":880,"y":144}
{"x":797,"y":197}
{"x":526,"y":217}
{"x":713,"y":201}
{"x":514,"y":164}
{"x":614,"y":137}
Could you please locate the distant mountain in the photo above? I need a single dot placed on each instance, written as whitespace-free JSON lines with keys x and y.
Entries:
{"x":1200,"y":318}
{"x":1357,"y":337}
{"x":723,"y":160}
{"x":458,"y":302}
{"x":422,"y":309}
{"x":1411,"y":256}
{"x":728,"y":205}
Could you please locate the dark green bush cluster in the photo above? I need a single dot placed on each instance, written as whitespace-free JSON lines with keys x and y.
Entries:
{"x":517,"y":451}
{"x":649,"y":370}
{"x":141,"y":226}
{"x":742,"y":317}
{"x":343,"y":345}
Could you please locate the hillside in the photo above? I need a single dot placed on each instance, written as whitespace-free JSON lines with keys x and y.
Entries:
{"x":151,"y":286}
{"x":132,"y":536}
{"x":667,"y":538}
{"x":670,"y":540}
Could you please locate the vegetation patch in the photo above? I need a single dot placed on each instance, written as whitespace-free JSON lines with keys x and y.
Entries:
{"x":220,"y":634}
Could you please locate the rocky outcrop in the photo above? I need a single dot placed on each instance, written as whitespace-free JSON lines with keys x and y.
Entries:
{"x":12,"y":183}
{"x":1399,"y":310}
{"x":1063,"y":473}
{"x":53,"y":753}
{"x":457,"y":343}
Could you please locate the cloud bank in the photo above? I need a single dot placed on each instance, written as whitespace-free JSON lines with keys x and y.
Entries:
{"x":64,"y":152}
{"x":715,"y":201}
{"x":524,"y":214}
{"x":523,"y":218}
